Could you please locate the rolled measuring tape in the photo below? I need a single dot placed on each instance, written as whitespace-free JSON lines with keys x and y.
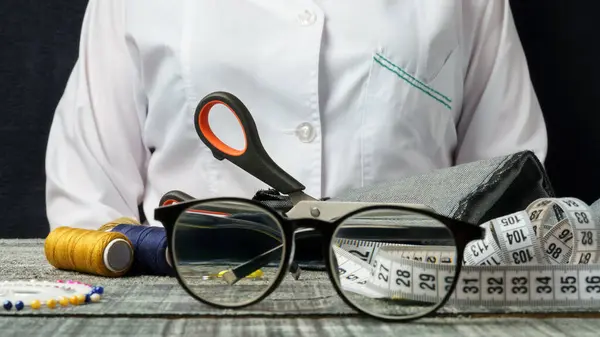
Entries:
{"x":545,"y":255}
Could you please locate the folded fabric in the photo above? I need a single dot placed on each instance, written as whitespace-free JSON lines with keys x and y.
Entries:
{"x":474,"y":192}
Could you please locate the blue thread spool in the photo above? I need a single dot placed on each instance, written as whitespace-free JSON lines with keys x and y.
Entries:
{"x":150,"y":249}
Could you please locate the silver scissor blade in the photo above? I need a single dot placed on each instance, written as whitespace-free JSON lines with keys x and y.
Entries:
{"x":300,"y":196}
{"x":330,"y":210}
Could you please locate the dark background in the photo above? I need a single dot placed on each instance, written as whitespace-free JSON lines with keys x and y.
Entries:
{"x":38,"y":46}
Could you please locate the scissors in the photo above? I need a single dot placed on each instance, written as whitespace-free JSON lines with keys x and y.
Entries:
{"x":252,"y":158}
{"x":255,"y":160}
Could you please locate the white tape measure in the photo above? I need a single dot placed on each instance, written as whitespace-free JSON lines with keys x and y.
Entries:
{"x":545,"y":255}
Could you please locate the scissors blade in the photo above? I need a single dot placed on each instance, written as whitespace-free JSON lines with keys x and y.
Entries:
{"x":299,"y":196}
{"x":330,"y":210}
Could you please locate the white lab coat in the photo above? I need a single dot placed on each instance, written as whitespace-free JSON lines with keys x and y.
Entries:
{"x":344,"y":94}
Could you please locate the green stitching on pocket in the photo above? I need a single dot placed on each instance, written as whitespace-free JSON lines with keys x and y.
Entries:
{"x":387,"y":64}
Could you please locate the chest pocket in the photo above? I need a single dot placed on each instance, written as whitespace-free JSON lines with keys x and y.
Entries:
{"x":395,"y":83}
{"x":387,"y":72}
{"x":411,"y":102}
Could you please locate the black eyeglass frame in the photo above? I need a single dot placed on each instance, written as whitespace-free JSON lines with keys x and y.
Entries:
{"x":462,"y":232}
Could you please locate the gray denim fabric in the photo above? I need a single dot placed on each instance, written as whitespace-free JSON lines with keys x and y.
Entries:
{"x":467,"y":191}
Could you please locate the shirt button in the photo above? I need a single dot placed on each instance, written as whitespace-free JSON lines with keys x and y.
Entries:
{"x":305,"y":132}
{"x":307,"y":18}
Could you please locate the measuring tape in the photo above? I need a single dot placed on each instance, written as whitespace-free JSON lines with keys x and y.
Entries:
{"x":545,"y":255}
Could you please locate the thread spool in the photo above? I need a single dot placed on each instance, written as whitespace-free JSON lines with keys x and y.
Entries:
{"x":123,"y":220}
{"x":151,"y":254}
{"x":88,"y":251}
{"x":109,"y":226}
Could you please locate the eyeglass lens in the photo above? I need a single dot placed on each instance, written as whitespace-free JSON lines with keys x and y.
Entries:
{"x":384,"y":259}
{"x":230,"y":253}
{"x":227,"y":253}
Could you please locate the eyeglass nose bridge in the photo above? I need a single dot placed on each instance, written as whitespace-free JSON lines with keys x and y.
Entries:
{"x":303,"y":228}
{"x":306,"y":227}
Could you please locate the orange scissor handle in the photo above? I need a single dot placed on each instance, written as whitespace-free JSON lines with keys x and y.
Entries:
{"x":252,"y":158}
{"x":174,"y":197}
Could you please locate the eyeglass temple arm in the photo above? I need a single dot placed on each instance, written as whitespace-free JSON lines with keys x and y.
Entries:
{"x":235,"y":274}
{"x":260,"y":261}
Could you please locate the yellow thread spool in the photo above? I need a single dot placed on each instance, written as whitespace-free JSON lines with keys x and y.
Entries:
{"x":107,"y":227}
{"x":88,"y":251}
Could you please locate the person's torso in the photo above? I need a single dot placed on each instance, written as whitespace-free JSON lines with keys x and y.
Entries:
{"x":344,"y":94}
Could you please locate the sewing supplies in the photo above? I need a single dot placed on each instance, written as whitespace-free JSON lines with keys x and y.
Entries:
{"x":88,"y":251}
{"x":541,"y":257}
{"x":37,"y":294}
{"x":151,"y":254}
{"x":120,"y":247}
{"x":150,"y":249}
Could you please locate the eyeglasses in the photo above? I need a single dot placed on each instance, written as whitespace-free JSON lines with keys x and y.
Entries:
{"x":234,"y":252}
